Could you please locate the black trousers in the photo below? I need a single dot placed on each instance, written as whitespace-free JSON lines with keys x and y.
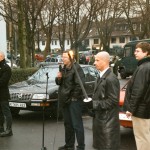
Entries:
{"x":5,"y":113}
{"x":74,"y":125}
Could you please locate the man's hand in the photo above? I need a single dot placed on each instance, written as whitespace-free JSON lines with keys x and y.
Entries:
{"x":128,"y":114}
{"x":59,"y":75}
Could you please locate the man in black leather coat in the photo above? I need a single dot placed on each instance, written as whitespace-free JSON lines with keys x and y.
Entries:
{"x":137,"y":98}
{"x":106,"y":127}
{"x":71,"y":98}
{"x":5,"y":75}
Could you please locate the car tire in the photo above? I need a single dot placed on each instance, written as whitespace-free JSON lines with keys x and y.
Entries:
{"x":123,"y":74}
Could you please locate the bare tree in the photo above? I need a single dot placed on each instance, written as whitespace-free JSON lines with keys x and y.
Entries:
{"x":24,"y":14}
{"x":31,"y":13}
{"x":75,"y":21}
{"x":47,"y":19}
{"x":137,"y":10}
{"x":108,"y":12}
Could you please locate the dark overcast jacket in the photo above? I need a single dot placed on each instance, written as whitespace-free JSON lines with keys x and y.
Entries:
{"x":5,"y":75}
{"x":69,"y":85}
{"x":137,"y":98}
{"x":106,"y":127}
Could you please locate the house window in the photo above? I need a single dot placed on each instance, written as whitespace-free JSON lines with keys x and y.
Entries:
{"x":52,"y":42}
{"x":68,"y":42}
{"x":43,"y":42}
{"x":96,"y":41}
{"x":113,"y":40}
{"x":134,"y":26}
{"x":86,"y":42}
{"x":122,"y":39}
{"x":55,"y":42}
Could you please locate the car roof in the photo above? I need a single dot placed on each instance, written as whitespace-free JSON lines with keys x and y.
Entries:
{"x":137,"y":41}
{"x":57,"y":65}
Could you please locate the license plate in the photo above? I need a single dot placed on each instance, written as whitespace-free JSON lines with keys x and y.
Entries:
{"x":13,"y":104}
{"x":124,"y":117}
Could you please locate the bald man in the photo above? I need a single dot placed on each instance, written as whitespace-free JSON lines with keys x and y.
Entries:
{"x":106,"y":127}
{"x":5,"y":113}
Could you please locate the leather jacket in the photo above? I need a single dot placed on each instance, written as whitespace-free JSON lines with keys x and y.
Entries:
{"x":137,"y":98}
{"x":69,"y":87}
{"x":5,"y":75}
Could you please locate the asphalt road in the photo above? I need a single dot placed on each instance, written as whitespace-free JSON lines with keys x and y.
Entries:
{"x":27,"y":133}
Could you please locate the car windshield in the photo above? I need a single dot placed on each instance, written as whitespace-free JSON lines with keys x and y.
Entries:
{"x":41,"y":76}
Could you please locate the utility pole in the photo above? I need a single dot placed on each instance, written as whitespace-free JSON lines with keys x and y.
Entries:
{"x":11,"y":41}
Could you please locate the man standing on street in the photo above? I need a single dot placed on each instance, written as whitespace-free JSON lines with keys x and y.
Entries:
{"x":106,"y":127}
{"x":71,"y":99}
{"x":5,"y":113}
{"x":137,"y":98}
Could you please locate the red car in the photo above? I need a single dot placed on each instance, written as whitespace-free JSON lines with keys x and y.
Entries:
{"x":124,"y":121}
{"x":39,"y":57}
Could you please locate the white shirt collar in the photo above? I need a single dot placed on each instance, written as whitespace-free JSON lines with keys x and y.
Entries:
{"x":102,"y":72}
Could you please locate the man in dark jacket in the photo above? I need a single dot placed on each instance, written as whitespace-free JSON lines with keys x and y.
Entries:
{"x":70,"y":97}
{"x":106,"y":127}
{"x":137,"y":98}
{"x":5,"y":74}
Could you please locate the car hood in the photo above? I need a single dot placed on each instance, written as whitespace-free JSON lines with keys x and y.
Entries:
{"x":25,"y":87}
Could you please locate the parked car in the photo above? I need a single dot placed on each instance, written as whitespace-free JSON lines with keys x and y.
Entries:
{"x":30,"y":94}
{"x":124,"y":121}
{"x":9,"y":63}
{"x":128,"y":64}
{"x":39,"y":57}
{"x":50,"y":61}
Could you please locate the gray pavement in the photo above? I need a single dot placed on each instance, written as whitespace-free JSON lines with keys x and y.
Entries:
{"x":27,"y":129}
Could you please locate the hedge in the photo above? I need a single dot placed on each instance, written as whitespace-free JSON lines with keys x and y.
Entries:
{"x":19,"y":74}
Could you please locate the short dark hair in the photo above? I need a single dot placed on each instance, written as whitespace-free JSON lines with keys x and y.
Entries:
{"x":144,"y":46}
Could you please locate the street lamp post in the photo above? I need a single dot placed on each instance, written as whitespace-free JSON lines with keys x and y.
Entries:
{"x":10,"y":41}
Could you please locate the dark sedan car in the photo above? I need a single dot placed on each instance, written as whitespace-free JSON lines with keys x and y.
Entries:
{"x":32,"y":94}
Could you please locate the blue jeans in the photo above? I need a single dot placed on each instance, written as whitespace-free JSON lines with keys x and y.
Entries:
{"x":5,"y":113}
{"x":73,"y":124}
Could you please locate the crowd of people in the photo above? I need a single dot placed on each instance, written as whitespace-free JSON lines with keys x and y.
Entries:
{"x":106,"y":126}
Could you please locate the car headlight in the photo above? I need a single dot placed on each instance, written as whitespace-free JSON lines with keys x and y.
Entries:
{"x":40,"y":96}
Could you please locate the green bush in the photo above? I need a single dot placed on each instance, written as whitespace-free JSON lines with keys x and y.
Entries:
{"x":19,"y":75}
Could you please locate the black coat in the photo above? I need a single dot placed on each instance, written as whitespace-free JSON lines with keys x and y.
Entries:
{"x":106,"y":127}
{"x":137,"y":98}
{"x":5,"y":75}
{"x":69,"y":85}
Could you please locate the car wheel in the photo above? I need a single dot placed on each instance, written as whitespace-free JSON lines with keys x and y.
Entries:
{"x":15,"y":111}
{"x":123,"y":74}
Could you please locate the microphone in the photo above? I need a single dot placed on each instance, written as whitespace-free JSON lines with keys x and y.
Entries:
{"x":47,"y":75}
{"x":60,"y":68}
